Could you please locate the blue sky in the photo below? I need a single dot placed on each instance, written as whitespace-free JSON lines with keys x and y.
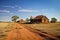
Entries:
{"x":26,"y":8}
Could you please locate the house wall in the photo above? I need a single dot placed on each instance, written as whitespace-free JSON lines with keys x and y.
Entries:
{"x":21,"y":21}
{"x":39,"y":19}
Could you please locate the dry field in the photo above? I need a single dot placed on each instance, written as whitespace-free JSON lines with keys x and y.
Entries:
{"x":4,"y":29}
{"x":52,"y":28}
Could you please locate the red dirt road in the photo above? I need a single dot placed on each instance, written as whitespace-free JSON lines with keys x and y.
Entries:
{"x":21,"y":33}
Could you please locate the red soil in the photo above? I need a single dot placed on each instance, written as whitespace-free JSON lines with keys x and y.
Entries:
{"x":21,"y":33}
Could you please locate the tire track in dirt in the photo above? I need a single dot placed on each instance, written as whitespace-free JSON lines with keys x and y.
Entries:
{"x":45,"y":35}
{"x":21,"y":33}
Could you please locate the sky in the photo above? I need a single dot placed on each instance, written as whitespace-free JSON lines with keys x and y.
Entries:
{"x":27,"y":8}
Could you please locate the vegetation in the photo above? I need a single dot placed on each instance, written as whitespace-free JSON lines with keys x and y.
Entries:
{"x":14,"y":18}
{"x":53,"y":20}
{"x":5,"y":27}
{"x":27,"y":20}
{"x":51,"y":28}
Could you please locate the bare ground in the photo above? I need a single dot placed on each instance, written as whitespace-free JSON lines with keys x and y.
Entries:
{"x":21,"y":33}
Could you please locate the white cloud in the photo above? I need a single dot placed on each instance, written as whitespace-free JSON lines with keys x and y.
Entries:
{"x":4,"y":11}
{"x":9,"y":6}
{"x":27,"y":10}
{"x":44,"y":9}
{"x":16,"y":6}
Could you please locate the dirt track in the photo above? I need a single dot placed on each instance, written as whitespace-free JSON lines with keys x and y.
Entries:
{"x":21,"y":33}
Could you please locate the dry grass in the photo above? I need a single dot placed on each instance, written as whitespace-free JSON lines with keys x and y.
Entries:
{"x":53,"y":28}
{"x":3,"y":24}
{"x":4,"y":29}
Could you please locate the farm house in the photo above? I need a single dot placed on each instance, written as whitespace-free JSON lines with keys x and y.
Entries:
{"x":21,"y":21}
{"x":39,"y":19}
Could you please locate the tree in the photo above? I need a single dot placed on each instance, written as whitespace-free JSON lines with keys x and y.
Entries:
{"x":53,"y":20}
{"x":27,"y":19}
{"x":14,"y":18}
